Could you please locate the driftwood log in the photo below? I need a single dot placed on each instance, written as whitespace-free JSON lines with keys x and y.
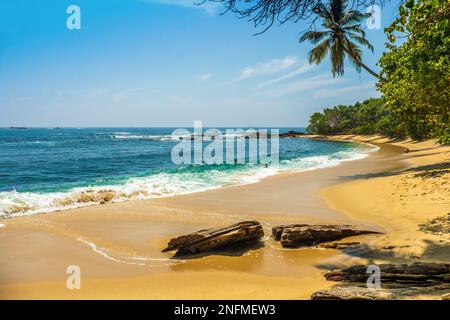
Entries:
{"x":418,"y":274}
{"x":300,"y":235}
{"x":214,"y":238}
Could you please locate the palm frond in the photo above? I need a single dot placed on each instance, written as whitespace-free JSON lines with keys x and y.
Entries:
{"x":353,"y":17}
{"x":355,"y":28}
{"x":318,"y":53}
{"x":329,"y":24}
{"x":354,"y":53}
{"x":361,"y":40}
{"x":337,"y":58}
{"x":313,"y":36}
{"x":322,"y":10}
{"x":337,"y":9}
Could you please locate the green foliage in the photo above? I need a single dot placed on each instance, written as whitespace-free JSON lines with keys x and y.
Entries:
{"x":368,"y":117}
{"x":444,"y":138}
{"x":418,"y":71}
{"x":340,"y":38}
{"x":416,"y":94}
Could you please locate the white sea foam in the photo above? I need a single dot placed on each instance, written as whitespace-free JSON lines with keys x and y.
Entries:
{"x":2,"y":225}
{"x":168,"y":137}
{"x":126,"y":259}
{"x":13,"y":204}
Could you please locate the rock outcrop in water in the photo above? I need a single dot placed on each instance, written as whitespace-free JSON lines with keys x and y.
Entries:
{"x":301,"y":235}
{"x":216,"y":238}
{"x":292,"y":134}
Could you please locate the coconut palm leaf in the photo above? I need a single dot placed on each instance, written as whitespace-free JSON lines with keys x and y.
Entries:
{"x":337,"y":58}
{"x":337,"y":9}
{"x":361,"y":40}
{"x":353,"y":17}
{"x":318,"y":53}
{"x":341,"y":28}
{"x":355,"y":28}
{"x":314,"y":36}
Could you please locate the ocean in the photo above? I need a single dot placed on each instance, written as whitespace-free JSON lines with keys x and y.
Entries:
{"x":50,"y":169}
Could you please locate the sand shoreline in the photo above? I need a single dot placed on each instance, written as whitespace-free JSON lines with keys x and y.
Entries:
{"x":118,"y":245}
{"x":98,"y":195}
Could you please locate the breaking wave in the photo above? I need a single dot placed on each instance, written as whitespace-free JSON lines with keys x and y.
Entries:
{"x":164,"y":184}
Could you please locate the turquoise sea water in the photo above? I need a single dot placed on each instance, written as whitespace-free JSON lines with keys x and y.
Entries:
{"x":48,"y":169}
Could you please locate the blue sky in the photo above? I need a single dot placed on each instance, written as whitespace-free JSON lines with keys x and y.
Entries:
{"x":162,"y":63}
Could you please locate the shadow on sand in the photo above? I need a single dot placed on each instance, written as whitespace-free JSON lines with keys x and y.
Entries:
{"x":231,"y":250}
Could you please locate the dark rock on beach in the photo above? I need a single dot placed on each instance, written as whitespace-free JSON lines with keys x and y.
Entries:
{"x":352,"y":293}
{"x":339,"y":245}
{"x":399,"y":281}
{"x":386,"y":293}
{"x":215,"y":238}
{"x":418,"y":273}
{"x":445,"y":296}
{"x":300,"y":235}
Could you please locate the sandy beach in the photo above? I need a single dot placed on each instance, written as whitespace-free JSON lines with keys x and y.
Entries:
{"x":117,"y":245}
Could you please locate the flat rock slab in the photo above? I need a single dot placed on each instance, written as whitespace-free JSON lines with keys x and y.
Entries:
{"x":339,"y":245}
{"x":446,"y":296}
{"x":215,"y":238}
{"x":301,"y":235}
{"x":352,"y":293}
{"x":418,"y":273}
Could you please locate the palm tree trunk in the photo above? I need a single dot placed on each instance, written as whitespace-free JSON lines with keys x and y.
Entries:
{"x":371,"y":71}
{"x":362,"y":65}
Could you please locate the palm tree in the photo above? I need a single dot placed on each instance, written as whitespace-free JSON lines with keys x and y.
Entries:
{"x":341,"y":27}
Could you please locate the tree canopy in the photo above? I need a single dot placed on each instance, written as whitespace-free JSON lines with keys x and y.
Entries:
{"x":368,"y":117}
{"x":415,"y":77}
{"x":418,"y":70}
{"x":416,"y":95}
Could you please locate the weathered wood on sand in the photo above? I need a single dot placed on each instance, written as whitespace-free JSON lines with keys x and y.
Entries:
{"x":215,"y":238}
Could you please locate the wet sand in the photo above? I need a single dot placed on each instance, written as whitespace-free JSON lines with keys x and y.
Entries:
{"x":117,"y":246}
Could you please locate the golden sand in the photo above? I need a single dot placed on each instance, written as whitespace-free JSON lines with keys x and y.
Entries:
{"x":404,"y":202}
{"x":117,"y":245}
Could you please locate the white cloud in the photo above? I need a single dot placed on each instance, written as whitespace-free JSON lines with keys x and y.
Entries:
{"x":122,"y":95}
{"x":304,"y":68}
{"x":303,"y":85}
{"x":265,"y":68}
{"x":208,"y":7}
{"x":95,"y":93}
{"x":19,"y":101}
{"x":204,"y":77}
{"x":179,"y":99}
{"x":328,"y":93}
{"x":114,"y":95}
